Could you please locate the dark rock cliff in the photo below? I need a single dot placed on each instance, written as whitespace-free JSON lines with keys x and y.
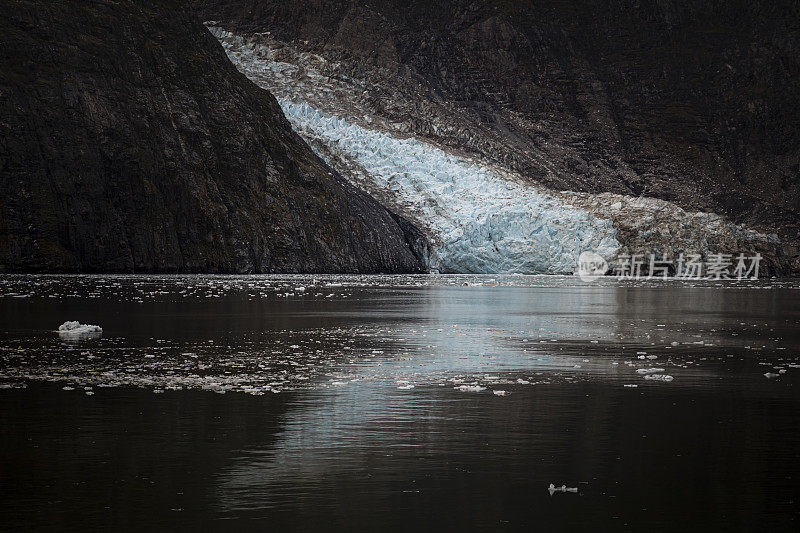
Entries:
{"x":128,"y":142}
{"x":694,"y":102}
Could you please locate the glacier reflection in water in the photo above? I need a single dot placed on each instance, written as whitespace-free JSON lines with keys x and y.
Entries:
{"x":365,"y":402}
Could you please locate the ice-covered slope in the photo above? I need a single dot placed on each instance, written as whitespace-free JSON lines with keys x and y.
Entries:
{"x":478,"y":221}
{"x":477,"y":218}
{"x":479,"y":215}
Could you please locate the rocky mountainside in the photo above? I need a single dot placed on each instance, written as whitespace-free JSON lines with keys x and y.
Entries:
{"x":129,"y":143}
{"x":696,"y":103}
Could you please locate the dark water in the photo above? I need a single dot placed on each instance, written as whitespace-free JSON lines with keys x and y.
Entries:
{"x":399,"y":403}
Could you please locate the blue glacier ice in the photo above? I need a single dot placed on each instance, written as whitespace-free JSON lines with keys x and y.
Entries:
{"x":478,"y":221}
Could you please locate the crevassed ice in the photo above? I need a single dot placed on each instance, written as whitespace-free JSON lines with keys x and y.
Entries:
{"x":477,"y":220}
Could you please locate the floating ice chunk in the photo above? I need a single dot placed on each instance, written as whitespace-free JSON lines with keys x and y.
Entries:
{"x":631,"y":385}
{"x":659,"y":377}
{"x":500,"y":392}
{"x":470,"y":388}
{"x":649,"y":370}
{"x":563,"y":488}
{"x":74,"y":330}
{"x":13,"y":386}
{"x":770,"y":375}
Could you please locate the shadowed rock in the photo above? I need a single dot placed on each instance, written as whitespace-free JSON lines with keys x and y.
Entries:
{"x":129,"y":143}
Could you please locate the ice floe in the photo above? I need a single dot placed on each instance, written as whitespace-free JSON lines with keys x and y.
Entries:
{"x":563,"y":488}
{"x":74,"y":330}
{"x":659,"y":377}
{"x":648,"y":370}
{"x":470,"y":388}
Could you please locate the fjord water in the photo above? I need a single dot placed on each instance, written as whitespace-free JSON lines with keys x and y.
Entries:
{"x":402,"y":403}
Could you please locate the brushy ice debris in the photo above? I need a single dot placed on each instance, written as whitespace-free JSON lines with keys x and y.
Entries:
{"x":470,"y":388}
{"x":649,"y":370}
{"x":14,"y":385}
{"x":477,"y":220}
{"x":770,"y":375}
{"x":659,"y":377}
{"x":74,"y":330}
{"x":563,"y":488}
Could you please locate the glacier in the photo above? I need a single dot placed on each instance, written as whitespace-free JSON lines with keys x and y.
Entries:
{"x":478,"y":219}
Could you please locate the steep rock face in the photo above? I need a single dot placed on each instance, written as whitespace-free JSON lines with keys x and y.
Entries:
{"x":692,"y":102}
{"x":130,"y":143}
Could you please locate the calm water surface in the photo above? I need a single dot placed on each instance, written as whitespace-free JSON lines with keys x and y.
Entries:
{"x":399,"y":403}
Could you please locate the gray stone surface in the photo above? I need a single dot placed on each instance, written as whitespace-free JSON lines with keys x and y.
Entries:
{"x":129,"y":143}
